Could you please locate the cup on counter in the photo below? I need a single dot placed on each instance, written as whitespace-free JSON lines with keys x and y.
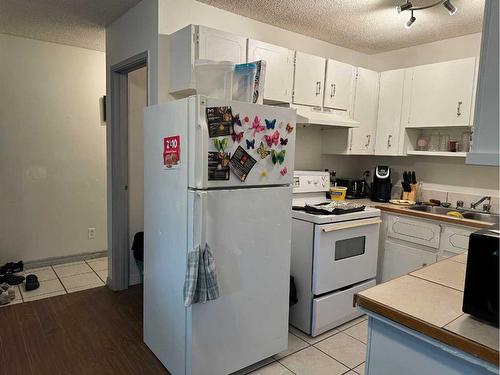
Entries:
{"x":338,"y":193}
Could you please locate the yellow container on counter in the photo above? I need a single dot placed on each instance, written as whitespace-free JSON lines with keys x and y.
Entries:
{"x":338,"y":193}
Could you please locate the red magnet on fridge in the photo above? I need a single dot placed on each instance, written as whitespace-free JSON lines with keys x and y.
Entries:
{"x":237,"y":137}
{"x":171,"y":151}
{"x":256,"y":126}
{"x":270,"y":139}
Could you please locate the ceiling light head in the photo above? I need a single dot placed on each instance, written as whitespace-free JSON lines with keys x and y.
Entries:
{"x":403,"y":7}
{"x":452,"y":9}
{"x":411,"y":21}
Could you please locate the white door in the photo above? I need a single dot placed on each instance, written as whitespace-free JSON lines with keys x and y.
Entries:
{"x":248,"y":231}
{"x":344,"y":253}
{"x":362,"y":139}
{"x":418,"y":231}
{"x":441,"y":94}
{"x":339,"y":85}
{"x":398,"y":260}
{"x":218,"y":45}
{"x":279,"y":69}
{"x":308,"y":79}
{"x":264,"y":139}
{"x":389,"y":112}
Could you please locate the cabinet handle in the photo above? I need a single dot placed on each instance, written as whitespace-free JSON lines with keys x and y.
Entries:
{"x":459,"y":112}
{"x":318,"y":88}
{"x":368,"y":138}
{"x":333,"y":90}
{"x":389,"y":141}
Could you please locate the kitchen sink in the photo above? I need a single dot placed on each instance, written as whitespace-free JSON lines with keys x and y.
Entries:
{"x":472,"y":215}
{"x":431,"y":209}
{"x":481,"y":216}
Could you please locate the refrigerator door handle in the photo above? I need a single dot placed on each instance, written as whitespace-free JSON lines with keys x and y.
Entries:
{"x":202,"y":195}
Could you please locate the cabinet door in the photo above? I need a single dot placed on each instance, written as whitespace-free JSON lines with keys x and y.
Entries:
{"x":417,"y":231}
{"x":218,"y":45}
{"x":398,"y":260}
{"x":362,"y":139}
{"x":339,"y":85}
{"x":309,"y":79}
{"x":279,"y":69}
{"x":389,"y":112}
{"x":454,"y":240}
{"x":441,"y":94}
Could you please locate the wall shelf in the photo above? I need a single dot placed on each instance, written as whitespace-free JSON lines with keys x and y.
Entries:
{"x":437,"y":153}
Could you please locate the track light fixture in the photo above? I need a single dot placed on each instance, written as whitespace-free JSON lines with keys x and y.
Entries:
{"x":452,"y":9}
{"x":410,"y":22}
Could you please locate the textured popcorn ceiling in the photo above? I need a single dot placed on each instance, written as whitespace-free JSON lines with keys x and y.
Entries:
{"x":79,"y":23}
{"x":370,"y":26}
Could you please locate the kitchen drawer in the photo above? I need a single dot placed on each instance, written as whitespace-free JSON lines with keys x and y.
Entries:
{"x":336,"y":308}
{"x":414,"y":231}
{"x":455,"y":240}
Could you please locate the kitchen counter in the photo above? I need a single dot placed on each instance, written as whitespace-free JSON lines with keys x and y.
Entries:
{"x":403,"y":210}
{"x":428,"y":302}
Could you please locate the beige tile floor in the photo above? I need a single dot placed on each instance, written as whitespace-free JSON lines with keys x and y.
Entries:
{"x":64,"y":278}
{"x":340,"y":351}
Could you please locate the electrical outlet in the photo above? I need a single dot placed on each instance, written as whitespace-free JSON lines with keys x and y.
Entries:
{"x":91,"y":233}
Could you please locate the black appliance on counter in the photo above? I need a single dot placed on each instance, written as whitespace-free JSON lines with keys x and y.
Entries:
{"x":355,"y":188}
{"x":381,"y":185}
{"x":481,"y":276}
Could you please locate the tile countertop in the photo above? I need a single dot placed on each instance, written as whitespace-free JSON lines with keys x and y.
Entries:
{"x":429,"y":301}
{"x":403,"y":210}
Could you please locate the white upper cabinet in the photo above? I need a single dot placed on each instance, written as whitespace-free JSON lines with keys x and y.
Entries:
{"x":218,"y":45}
{"x":309,"y":79}
{"x":389,"y":112}
{"x":199,"y":42}
{"x":362,"y":139}
{"x":339,"y":85}
{"x":442,"y":94}
{"x":278,"y":84}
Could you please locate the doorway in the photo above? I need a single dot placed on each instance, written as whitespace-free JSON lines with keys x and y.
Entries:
{"x":129,"y":96}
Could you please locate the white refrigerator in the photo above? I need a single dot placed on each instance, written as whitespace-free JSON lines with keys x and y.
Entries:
{"x":225,"y":180}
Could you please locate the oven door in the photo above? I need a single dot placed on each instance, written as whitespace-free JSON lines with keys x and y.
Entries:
{"x":345,"y":253}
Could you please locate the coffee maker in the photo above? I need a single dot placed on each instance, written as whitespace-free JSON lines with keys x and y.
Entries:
{"x":381,"y":185}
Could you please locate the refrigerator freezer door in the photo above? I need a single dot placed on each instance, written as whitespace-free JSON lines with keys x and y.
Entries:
{"x":261,"y":131}
{"x":249,"y":233}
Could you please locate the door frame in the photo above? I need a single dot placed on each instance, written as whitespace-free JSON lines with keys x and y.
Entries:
{"x":117,"y":144}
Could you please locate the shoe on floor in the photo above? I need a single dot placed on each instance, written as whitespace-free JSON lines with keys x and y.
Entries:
{"x":31,"y":283}
{"x":4,"y":297}
{"x":12,"y":267}
{"x":10,"y":290}
{"x":11,"y":279}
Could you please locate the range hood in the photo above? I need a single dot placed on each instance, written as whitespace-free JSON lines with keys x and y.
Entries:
{"x":324,"y":117}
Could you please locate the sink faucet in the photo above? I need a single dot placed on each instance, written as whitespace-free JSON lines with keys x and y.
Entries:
{"x":486,"y":207}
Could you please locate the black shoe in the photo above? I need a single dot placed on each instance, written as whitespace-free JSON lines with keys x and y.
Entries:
{"x":31,"y":283}
{"x":12,"y":267}
{"x":11,"y":279}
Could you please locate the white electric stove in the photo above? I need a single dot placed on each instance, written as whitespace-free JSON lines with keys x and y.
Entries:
{"x":333,"y":257}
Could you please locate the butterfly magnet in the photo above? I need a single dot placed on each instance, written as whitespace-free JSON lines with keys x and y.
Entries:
{"x":289,"y":128}
{"x":256,"y":126}
{"x":237,"y":137}
{"x":272,"y":139}
{"x":270,"y":124}
{"x":263,"y":153}
{"x":250,"y":144}
{"x":278,"y":156}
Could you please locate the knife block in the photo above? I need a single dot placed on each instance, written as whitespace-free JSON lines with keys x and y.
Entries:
{"x":410,"y":195}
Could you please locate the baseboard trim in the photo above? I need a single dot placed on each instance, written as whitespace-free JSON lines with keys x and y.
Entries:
{"x":65,"y":259}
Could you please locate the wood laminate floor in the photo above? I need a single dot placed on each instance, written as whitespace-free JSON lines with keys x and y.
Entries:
{"x":95,"y":331}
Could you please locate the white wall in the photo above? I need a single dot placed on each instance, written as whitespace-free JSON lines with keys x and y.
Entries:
{"x":52,"y":150}
{"x":137,"y":95}
{"x":133,"y":33}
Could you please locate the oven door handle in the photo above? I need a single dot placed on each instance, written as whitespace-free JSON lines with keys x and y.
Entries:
{"x":351,"y":224}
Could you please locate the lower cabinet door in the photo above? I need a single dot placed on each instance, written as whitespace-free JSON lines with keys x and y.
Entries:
{"x":399,"y":259}
{"x":334,"y":309}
